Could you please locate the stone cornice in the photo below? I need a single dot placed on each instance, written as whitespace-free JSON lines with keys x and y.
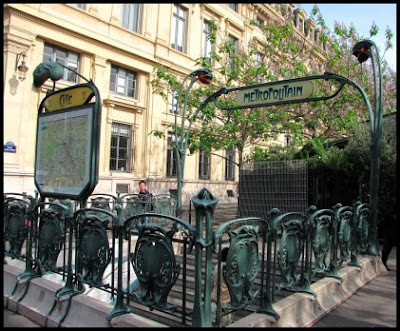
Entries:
{"x":131,"y":104}
{"x":67,"y":31}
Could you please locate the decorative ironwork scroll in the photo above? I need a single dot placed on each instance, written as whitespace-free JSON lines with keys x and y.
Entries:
{"x":362,"y":213}
{"x":290,"y":251}
{"x":345,"y":230}
{"x":322,"y":238}
{"x":245,"y":261}
{"x":93,"y":249}
{"x":51,"y":238}
{"x":242,"y":265}
{"x":16,"y":230}
{"x":155,"y":266}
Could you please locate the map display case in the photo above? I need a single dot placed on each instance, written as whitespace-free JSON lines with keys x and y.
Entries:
{"x":67,"y":143}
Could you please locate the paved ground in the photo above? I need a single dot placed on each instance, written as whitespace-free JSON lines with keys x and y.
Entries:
{"x":372,"y":306}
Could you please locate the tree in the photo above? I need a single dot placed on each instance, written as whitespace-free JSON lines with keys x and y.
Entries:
{"x":358,"y":154}
{"x":282,"y":54}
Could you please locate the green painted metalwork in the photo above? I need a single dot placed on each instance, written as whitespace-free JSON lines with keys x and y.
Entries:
{"x":322,"y":227}
{"x":306,"y":275}
{"x":157,"y":274}
{"x":153,"y":259}
{"x":333,"y":264}
{"x":244,"y":262}
{"x":242,"y":265}
{"x":204,"y":203}
{"x":292,"y":244}
{"x":51,"y":235}
{"x":375,"y":119}
{"x":181,"y":138}
{"x":135,"y":204}
{"x":102,"y":201}
{"x":345,"y":214}
{"x":69,"y":287}
{"x":155,"y":262}
{"x":164,"y":204}
{"x":16,"y":231}
{"x":46,"y":70}
{"x":364,"y":50}
{"x":354,"y":235}
{"x":93,"y":248}
{"x":119,"y":308}
{"x":362,"y":213}
{"x":31,"y":223}
{"x":68,"y":106}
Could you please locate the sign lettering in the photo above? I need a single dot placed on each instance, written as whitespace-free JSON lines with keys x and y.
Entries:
{"x":67,"y":99}
{"x":266,"y":95}
{"x":10,"y":147}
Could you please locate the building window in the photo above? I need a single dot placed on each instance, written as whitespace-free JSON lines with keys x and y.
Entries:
{"x":123,"y":188}
{"x":120,"y":155}
{"x":311,"y":34}
{"x":230,"y":164}
{"x":131,"y":16}
{"x":123,"y":81}
{"x":233,"y":6}
{"x":80,"y":5}
{"x":179,"y":26}
{"x":301,"y":25}
{"x":204,"y":165}
{"x":64,"y":57}
{"x":259,"y":22}
{"x":235,"y":47}
{"x":207,"y":46}
{"x":173,"y":102}
{"x":171,"y":156}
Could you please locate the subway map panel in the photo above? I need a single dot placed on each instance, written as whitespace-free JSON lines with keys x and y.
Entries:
{"x":63,"y":152}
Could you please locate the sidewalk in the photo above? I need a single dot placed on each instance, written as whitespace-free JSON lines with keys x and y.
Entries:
{"x":374,"y":305}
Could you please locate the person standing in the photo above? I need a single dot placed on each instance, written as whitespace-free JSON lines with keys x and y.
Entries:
{"x":146,"y":196}
{"x":143,"y":192}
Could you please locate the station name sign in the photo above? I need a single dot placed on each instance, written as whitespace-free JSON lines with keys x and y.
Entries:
{"x":68,"y":98}
{"x":277,"y":93}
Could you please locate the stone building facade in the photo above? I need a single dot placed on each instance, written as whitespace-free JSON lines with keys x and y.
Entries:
{"x":117,"y":46}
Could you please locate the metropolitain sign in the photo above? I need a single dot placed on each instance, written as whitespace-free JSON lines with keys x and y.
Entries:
{"x":266,"y":95}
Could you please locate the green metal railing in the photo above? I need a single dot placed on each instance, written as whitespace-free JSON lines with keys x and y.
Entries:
{"x":140,"y":259}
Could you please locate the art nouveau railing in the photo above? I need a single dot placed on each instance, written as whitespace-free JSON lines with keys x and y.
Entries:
{"x":137,"y":258}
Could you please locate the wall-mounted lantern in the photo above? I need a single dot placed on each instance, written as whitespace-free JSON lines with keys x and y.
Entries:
{"x":21,"y":69}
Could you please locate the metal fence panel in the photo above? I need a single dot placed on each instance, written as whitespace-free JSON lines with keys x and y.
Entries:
{"x":273,"y":184}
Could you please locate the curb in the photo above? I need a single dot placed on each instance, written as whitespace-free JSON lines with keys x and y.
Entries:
{"x":303,"y":310}
{"x":296,"y":310}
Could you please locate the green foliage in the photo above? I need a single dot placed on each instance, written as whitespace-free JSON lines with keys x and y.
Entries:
{"x":374,"y":29}
{"x":157,"y":133}
{"x":273,"y":153}
{"x":284,"y":56}
{"x":359,"y":154}
{"x":319,"y":156}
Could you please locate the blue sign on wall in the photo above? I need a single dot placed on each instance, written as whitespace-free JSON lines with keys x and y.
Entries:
{"x":9,"y":147}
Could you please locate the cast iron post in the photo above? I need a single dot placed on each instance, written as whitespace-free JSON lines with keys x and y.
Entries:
{"x":363,"y":51}
{"x":204,"y":75}
{"x":204,"y":204}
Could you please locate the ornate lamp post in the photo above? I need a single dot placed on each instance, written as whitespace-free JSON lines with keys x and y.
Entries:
{"x":363,"y":51}
{"x":205,"y":76}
